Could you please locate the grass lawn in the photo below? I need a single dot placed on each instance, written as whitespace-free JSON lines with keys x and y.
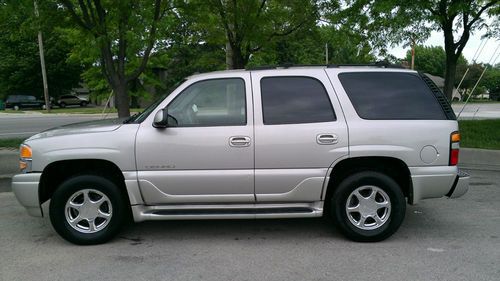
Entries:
{"x":11,"y":143}
{"x":480,"y":133}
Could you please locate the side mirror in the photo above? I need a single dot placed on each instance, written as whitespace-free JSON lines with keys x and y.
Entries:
{"x":163,"y":120}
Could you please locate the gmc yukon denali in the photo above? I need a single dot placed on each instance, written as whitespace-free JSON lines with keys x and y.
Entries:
{"x":355,"y":143}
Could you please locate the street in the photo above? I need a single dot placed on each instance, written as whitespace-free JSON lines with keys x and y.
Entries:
{"x":18,"y":125}
{"x":440,"y":239}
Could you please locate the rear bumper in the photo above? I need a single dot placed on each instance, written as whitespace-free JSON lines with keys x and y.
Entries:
{"x":25,"y":187}
{"x":436,"y":182}
{"x":460,"y":186}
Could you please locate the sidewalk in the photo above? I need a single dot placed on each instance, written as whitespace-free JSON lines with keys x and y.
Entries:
{"x":470,"y":158}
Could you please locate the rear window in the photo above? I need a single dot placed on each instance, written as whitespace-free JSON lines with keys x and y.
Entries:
{"x":391,"y":96}
{"x":295,"y":100}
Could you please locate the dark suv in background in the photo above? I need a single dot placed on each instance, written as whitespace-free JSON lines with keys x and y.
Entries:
{"x":17,"y":102}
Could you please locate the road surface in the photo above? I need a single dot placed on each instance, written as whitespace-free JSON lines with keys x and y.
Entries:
{"x":14,"y":125}
{"x":440,"y":240}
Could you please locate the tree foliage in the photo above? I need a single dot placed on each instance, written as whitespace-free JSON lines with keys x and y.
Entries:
{"x":119,"y":36}
{"x":432,"y":60}
{"x":395,"y":21}
{"x":20,"y":71}
{"x":246,"y":27}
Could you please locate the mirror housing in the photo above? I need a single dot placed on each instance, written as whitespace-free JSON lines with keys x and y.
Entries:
{"x":161,"y":119}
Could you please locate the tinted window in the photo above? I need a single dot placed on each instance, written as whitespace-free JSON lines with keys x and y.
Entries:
{"x":291,"y":100}
{"x":217,"y":102}
{"x":391,"y":95}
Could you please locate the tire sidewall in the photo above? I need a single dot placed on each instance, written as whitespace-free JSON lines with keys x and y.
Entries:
{"x":70,"y":187}
{"x":388,"y":185}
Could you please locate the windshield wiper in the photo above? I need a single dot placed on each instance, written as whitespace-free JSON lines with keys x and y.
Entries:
{"x":131,"y":118}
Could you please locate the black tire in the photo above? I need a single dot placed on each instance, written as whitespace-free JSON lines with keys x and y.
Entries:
{"x":62,"y":105}
{"x":342,"y":219}
{"x":72,"y":186}
{"x":83,"y":104}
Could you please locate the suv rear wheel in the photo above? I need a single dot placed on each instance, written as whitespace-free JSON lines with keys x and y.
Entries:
{"x":368,"y":206}
{"x":87,"y":210}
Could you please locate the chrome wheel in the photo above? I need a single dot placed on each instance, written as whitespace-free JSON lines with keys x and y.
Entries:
{"x":88,"y":211}
{"x":368,"y":207}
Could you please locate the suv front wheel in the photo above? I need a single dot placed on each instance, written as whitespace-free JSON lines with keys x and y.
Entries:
{"x":87,"y":210}
{"x":368,"y":206}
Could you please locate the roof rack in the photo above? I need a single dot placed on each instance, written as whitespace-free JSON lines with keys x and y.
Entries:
{"x":380,"y":64}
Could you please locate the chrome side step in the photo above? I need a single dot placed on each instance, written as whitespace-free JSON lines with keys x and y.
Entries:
{"x":227,"y":211}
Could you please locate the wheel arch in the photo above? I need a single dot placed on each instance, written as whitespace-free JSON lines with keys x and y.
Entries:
{"x":57,"y":172}
{"x":393,"y":167}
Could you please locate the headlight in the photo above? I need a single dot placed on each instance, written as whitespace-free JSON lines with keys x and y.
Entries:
{"x":25,"y":158}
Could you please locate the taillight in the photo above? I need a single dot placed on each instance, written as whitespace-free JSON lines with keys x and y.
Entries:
{"x":454,"y":148}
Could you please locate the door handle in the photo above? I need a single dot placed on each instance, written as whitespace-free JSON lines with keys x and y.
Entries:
{"x":327,"y":139}
{"x":239,"y":141}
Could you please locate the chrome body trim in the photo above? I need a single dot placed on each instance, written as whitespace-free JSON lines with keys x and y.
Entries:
{"x":227,"y":211}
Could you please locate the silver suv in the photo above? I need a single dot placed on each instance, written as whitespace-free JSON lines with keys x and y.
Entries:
{"x":356,"y":143}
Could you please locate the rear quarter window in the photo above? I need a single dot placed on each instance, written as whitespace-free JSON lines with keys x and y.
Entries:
{"x":391,"y":96}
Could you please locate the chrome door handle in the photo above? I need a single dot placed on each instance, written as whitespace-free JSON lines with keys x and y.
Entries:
{"x":239,"y":141}
{"x":327,"y":139}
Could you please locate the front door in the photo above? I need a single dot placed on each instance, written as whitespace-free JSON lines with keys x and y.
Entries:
{"x":209,"y":155}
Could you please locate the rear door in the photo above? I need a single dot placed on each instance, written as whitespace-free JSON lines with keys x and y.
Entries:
{"x":299,"y":132}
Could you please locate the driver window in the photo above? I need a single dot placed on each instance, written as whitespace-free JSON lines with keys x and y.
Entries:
{"x":216,"y":102}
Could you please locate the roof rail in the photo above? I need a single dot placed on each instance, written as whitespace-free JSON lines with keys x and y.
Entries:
{"x":380,"y":64}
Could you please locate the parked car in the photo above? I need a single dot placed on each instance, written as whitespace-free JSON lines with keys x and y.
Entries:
{"x":356,"y":143}
{"x":18,"y":102}
{"x":66,"y":100}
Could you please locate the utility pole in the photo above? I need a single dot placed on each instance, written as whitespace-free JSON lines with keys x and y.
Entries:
{"x":42,"y":62}
{"x":326,"y":53}
{"x":412,"y":53}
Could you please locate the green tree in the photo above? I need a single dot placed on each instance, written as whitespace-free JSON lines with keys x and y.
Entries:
{"x":20,"y":71}
{"x":119,"y":37}
{"x":395,"y":21}
{"x":246,"y":27}
{"x":432,"y":60}
{"x":491,"y":80}
{"x":308,"y":47}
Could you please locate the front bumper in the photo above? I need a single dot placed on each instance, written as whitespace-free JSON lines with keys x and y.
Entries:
{"x":25,"y":187}
{"x":460,"y":186}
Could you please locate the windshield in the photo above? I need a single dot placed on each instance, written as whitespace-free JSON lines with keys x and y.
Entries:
{"x":138,"y":118}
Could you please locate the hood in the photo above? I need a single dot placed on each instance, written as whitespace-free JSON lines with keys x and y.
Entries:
{"x":87,"y":127}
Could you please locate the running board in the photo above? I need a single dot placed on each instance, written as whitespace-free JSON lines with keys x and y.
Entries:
{"x":227,"y":211}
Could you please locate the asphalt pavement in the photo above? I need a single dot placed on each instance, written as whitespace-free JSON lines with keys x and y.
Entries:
{"x":440,"y":239}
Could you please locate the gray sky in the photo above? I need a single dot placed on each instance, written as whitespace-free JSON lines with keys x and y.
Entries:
{"x":437,"y":39}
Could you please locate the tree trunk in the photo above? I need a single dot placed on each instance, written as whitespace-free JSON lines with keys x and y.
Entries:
{"x":449,"y":77}
{"x":237,"y":58}
{"x":122,"y":99}
{"x":229,"y":56}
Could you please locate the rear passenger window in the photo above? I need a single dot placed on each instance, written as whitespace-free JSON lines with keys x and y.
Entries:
{"x":390,"y":96}
{"x":293,"y":100}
